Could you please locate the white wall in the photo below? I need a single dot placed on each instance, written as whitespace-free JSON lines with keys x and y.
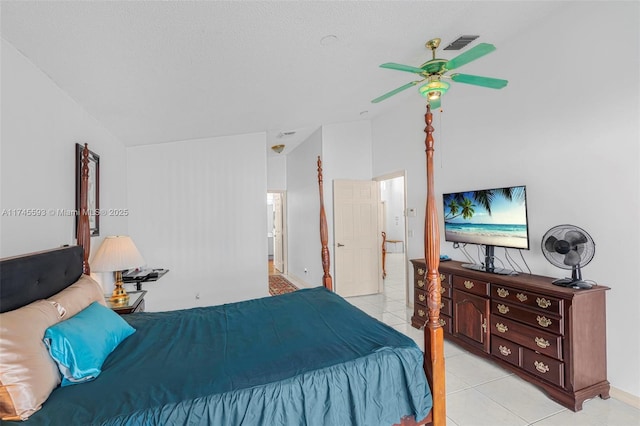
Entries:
{"x":346,"y":154}
{"x":198,"y":208}
{"x":398,"y":145}
{"x":40,"y":126}
{"x":564,"y":126}
{"x":303,"y":205}
{"x":277,"y":173}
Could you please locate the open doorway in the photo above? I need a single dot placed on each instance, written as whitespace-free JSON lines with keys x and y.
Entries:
{"x":394,"y":226}
{"x":276,"y":232}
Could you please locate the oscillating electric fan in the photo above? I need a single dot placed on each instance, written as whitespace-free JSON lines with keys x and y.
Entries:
{"x":569,"y":247}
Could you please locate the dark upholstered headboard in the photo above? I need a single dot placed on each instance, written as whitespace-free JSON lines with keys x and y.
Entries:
{"x":30,"y":277}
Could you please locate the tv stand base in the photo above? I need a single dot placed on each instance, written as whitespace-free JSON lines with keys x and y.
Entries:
{"x":482,"y":268}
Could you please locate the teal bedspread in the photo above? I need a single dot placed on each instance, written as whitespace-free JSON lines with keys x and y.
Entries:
{"x":303,"y":358}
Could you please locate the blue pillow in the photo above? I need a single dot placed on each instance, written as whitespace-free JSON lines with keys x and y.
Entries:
{"x":81,"y":344}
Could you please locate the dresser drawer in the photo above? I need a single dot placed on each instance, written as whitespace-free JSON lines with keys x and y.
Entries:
{"x":445,"y":279}
{"x":446,"y":306}
{"x":447,"y":323}
{"x":420,"y":296}
{"x":520,"y":297}
{"x":422,"y":316}
{"x":470,"y":285}
{"x":445,"y":286}
{"x":529,"y":337}
{"x":422,"y":312}
{"x":420,"y":286}
{"x":506,"y":350}
{"x":534,"y":318}
{"x":445,"y":291}
{"x":542,"y":366}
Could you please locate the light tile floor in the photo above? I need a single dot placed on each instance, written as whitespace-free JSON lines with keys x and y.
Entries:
{"x":478,"y":392}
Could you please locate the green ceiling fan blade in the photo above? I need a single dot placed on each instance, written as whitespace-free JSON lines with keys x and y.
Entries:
{"x":435,"y":104}
{"x":393,"y":92}
{"x":472,"y":54}
{"x":401,"y":67}
{"x":493,"y":83}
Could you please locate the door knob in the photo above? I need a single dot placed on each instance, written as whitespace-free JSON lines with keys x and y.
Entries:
{"x":340,"y":245}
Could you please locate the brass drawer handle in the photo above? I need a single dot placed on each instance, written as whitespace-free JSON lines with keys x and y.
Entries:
{"x":442,"y":277}
{"x":420,"y":283}
{"x":468,"y":284}
{"x":502,"y":292}
{"x":542,"y":342}
{"x":442,"y":290}
{"x":421,"y":312}
{"x":502,"y":328}
{"x":504,"y":350}
{"x":521,"y":297}
{"x":543,"y":303}
{"x":422,"y":297}
{"x":503,"y":309}
{"x":420,"y":271}
{"x":543,"y":321}
{"x":541,"y":367}
{"x":442,"y":322}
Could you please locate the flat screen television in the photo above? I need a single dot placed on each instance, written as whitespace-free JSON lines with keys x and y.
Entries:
{"x":489,"y":217}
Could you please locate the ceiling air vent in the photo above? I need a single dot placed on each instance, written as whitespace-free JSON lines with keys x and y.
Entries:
{"x":461,"y":42}
{"x":285,"y":134}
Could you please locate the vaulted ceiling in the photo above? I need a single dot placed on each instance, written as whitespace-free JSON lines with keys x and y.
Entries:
{"x":159,"y":71}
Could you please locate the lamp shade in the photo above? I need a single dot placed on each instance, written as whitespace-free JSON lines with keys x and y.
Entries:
{"x":116,"y":253}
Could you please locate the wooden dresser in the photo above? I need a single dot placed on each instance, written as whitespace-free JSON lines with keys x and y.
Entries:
{"x":551,"y":336}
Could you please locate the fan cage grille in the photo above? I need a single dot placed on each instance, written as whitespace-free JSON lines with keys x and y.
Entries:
{"x":586,"y":250}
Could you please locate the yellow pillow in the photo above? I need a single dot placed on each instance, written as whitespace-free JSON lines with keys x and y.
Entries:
{"x":27,"y":373}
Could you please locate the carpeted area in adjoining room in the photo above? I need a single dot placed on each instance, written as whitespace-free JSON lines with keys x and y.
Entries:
{"x":279,"y":285}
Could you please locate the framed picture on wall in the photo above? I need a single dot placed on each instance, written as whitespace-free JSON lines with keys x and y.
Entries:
{"x":93,"y":190}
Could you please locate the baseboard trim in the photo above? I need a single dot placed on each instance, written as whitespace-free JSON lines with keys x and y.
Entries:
{"x":625,"y":397}
{"x":297,"y":281}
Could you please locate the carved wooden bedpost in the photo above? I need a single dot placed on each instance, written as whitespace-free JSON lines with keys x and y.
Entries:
{"x":84,"y":239}
{"x":433,"y":333}
{"x":324,"y":234}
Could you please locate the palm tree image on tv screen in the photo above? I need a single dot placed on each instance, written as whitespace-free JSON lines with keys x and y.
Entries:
{"x":492,"y":217}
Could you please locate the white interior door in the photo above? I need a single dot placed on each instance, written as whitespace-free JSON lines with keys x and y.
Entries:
{"x":278,"y":258}
{"x":357,"y":237}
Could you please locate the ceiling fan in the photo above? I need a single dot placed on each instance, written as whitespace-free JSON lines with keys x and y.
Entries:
{"x":434,"y":71}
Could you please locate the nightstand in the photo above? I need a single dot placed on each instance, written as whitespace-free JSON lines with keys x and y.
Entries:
{"x":135,"y":304}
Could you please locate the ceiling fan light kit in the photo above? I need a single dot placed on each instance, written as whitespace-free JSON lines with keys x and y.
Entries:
{"x":434,"y":89}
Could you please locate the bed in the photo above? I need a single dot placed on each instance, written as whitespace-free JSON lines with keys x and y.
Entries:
{"x":248,"y":363}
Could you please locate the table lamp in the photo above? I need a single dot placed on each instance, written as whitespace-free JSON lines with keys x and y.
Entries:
{"x":117,"y":253}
